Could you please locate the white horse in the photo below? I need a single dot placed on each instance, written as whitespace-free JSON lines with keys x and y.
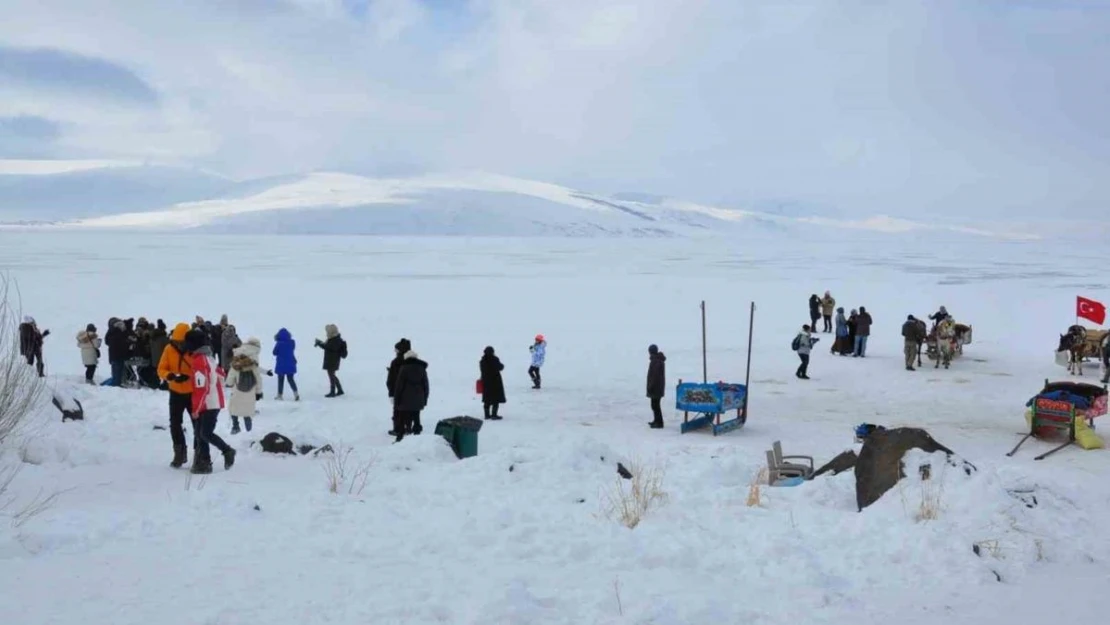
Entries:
{"x":946,"y":342}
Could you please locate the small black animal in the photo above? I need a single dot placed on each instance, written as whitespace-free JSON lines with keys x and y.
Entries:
{"x":76,"y":415}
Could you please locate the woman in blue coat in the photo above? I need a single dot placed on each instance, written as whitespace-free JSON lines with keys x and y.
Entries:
{"x":286,"y":365}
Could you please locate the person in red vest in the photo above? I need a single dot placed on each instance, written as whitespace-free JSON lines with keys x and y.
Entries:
{"x":208,"y":400}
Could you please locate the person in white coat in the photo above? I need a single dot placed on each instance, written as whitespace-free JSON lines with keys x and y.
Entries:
{"x":245,"y":380}
{"x":89,"y":343}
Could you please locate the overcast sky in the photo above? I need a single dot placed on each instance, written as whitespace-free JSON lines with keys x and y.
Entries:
{"x":963,"y":107}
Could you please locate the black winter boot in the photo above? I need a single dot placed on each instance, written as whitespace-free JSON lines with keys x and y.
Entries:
{"x":234,"y":424}
{"x":201,"y":465}
{"x":180,"y":457}
{"x":247,"y":423}
{"x":229,"y":459}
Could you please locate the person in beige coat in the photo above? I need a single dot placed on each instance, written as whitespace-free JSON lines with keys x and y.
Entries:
{"x":828,"y":306}
{"x":89,"y":343}
{"x":245,"y":379}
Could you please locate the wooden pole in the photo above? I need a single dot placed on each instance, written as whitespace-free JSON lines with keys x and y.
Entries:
{"x":748,"y":369}
{"x":704,"y":359}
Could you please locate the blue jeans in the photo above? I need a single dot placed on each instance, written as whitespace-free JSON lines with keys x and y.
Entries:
{"x":861,"y":346}
{"x":117,"y":373}
{"x":281,"y":382}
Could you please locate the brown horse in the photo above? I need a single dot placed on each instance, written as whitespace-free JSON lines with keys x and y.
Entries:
{"x":1078,"y":347}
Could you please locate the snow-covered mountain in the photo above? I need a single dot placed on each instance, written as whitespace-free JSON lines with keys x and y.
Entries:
{"x":124,"y":197}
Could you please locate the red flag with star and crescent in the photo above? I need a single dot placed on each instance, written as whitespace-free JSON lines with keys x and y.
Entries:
{"x":1090,"y":310}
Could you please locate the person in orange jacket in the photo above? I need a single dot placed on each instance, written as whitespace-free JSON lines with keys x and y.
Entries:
{"x":174,"y":367}
{"x":208,"y":401}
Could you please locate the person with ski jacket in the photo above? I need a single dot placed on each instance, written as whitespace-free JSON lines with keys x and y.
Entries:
{"x":89,"y":344}
{"x":539,"y":354}
{"x":411,"y":394}
{"x":656,"y":385}
{"x":285,"y":362}
{"x":207,"y":402}
{"x":335,"y":350}
{"x":493,"y":386}
{"x":803,"y":345}
{"x":245,"y":381}
{"x":176,"y":370}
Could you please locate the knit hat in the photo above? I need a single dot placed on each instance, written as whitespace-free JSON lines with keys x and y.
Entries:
{"x":331,"y":330}
{"x":28,"y":319}
{"x":539,"y":337}
{"x":488,"y":350}
{"x":90,"y":328}
{"x":402,"y":346}
{"x":194,"y":340}
{"x":653,"y":349}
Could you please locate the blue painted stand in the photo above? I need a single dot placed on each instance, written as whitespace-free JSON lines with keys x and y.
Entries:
{"x":711,"y":401}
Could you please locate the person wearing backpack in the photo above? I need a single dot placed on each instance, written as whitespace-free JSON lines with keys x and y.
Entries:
{"x":803,"y":345}
{"x":335,"y":350}
{"x":285,"y":349}
{"x":245,"y":380}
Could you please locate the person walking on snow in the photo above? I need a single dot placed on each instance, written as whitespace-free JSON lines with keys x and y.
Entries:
{"x":814,"y":311}
{"x":493,"y":386}
{"x":207,"y":401}
{"x":175,"y":369}
{"x":245,"y":381}
{"x":912,"y":337}
{"x":30,"y":343}
{"x":410,"y":396}
{"x":285,"y":365}
{"x":539,"y":354}
{"x":656,"y":385}
{"x":335,"y":350}
{"x":863,"y":331}
{"x":89,"y":343}
{"x":803,"y":345}
{"x":828,"y":304}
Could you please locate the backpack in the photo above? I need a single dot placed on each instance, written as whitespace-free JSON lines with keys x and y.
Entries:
{"x":247,"y":381}
{"x":796,"y":343}
{"x":342,"y":349}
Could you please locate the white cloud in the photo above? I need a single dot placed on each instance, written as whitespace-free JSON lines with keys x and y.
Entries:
{"x":987,"y":109}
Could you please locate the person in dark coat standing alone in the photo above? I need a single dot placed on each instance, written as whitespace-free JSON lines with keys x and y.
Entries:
{"x":656,"y":385}
{"x":410,"y":396}
{"x":399,"y":350}
{"x":814,"y":310}
{"x":335,"y":350}
{"x":30,"y":343}
{"x":493,"y":387}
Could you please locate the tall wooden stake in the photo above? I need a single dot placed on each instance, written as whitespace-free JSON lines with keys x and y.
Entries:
{"x":704,"y":361}
{"x":748,"y":369}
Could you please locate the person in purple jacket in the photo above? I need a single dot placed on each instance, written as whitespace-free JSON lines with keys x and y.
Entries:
{"x":286,"y":365}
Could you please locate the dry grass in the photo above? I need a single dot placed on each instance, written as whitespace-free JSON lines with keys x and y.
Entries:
{"x":344,"y":473}
{"x":930,"y":504}
{"x":629,"y":501}
{"x":20,"y":386}
{"x":755,"y":488}
{"x":990,"y":547}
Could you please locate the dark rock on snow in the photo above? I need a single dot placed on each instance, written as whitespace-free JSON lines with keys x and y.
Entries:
{"x":623,"y":472}
{"x":879,"y":466}
{"x":275,"y":443}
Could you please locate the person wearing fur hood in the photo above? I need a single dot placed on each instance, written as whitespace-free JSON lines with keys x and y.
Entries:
{"x":335,"y":350}
{"x":89,"y":344}
{"x":30,"y":343}
{"x":245,"y":380}
{"x":410,"y":396}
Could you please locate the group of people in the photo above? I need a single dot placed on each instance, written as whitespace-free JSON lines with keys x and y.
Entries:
{"x":852,"y":332}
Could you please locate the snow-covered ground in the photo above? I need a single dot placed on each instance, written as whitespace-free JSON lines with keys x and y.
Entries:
{"x":517,"y":534}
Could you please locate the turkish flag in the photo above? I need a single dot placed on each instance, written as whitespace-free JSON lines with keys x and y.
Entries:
{"x":1090,"y":310}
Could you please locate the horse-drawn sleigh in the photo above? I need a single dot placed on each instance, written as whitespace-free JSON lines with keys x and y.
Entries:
{"x":1079,"y":345}
{"x":946,"y":341}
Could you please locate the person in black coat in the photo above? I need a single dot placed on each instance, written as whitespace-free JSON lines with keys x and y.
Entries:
{"x":814,"y":310}
{"x":335,"y":350}
{"x":410,"y":395}
{"x":493,"y":387}
{"x":118,"y":349}
{"x":30,"y":343}
{"x":656,"y":385}
{"x":399,"y":350}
